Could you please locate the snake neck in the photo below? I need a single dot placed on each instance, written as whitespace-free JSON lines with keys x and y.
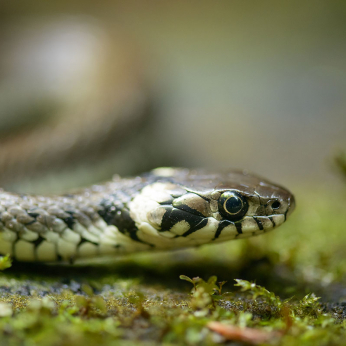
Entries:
{"x":90,"y":223}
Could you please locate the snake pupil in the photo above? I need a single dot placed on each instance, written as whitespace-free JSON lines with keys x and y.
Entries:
{"x":232,"y":205}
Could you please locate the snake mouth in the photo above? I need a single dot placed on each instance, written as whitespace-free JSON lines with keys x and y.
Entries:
{"x":248,"y":226}
{"x":184,"y":226}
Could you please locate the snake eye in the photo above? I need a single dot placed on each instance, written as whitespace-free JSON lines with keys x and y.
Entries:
{"x":232,"y":205}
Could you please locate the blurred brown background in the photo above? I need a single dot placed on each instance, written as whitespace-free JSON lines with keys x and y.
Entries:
{"x":258,"y":85}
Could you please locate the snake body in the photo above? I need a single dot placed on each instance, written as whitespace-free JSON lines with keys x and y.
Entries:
{"x":167,"y":208}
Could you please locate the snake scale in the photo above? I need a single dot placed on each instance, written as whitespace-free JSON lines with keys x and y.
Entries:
{"x":167,"y":208}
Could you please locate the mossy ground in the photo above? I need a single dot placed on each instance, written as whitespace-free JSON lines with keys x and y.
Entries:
{"x":141,"y":299}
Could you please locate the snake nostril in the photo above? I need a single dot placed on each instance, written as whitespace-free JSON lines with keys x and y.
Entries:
{"x":276,"y":205}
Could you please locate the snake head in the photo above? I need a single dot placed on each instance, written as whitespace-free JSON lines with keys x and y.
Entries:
{"x":181,"y":207}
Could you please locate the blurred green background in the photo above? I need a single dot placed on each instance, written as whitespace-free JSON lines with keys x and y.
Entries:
{"x":254,"y":85}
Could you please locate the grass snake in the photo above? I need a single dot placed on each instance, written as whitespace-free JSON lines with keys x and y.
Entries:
{"x":167,"y":208}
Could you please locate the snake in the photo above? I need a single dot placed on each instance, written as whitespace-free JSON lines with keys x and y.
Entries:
{"x":164,"y":209}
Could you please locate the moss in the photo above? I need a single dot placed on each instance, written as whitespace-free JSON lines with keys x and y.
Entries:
{"x":140,"y":300}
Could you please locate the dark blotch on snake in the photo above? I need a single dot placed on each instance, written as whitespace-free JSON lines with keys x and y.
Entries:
{"x":272,"y":220}
{"x":221,"y":226}
{"x":259,"y":223}
{"x":119,"y":216}
{"x":173,"y":215}
{"x":83,"y":240}
{"x":195,"y":228}
{"x":239,"y":227}
{"x":70,"y":220}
